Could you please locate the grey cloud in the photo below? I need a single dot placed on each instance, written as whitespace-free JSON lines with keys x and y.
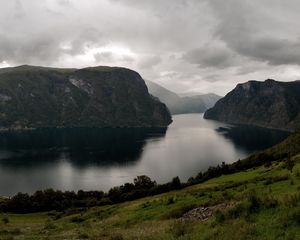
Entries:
{"x":149,"y":62}
{"x":38,"y":38}
{"x":19,"y":11}
{"x":248,"y":28}
{"x":103,"y":56}
{"x":64,"y":2}
{"x":274,"y":51}
{"x":180,"y":43}
{"x":211,"y":56}
{"x":110,"y":57}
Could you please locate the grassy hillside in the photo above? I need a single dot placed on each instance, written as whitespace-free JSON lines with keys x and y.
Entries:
{"x":260,"y":203}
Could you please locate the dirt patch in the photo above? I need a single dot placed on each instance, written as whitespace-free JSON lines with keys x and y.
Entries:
{"x":204,"y":213}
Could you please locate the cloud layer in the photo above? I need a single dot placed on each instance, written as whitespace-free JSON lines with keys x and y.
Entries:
{"x":185,"y":45}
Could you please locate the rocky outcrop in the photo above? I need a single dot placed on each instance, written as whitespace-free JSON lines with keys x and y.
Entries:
{"x":36,"y":97}
{"x":268,"y":104}
{"x":204,"y":213}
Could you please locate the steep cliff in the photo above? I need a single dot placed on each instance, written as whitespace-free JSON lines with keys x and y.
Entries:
{"x":37,"y":97}
{"x":268,"y":104}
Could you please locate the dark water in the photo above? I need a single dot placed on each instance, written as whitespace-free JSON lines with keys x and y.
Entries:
{"x":97,"y":159}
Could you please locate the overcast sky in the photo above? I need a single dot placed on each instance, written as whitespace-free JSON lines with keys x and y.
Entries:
{"x":184,"y":45}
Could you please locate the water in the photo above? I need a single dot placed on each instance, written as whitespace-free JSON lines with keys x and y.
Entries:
{"x":98,"y":159}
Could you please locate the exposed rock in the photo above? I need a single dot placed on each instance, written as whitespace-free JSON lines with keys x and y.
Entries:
{"x":36,"y":97}
{"x":267,"y":104}
{"x":204,"y":213}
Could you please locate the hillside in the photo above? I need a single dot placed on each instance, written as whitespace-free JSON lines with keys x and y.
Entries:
{"x":184,"y":104}
{"x":38,"y":97}
{"x":257,"y":203}
{"x":268,"y":104}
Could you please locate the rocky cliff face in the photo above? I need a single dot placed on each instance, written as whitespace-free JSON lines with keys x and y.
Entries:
{"x":268,"y":104}
{"x":35,"y":97}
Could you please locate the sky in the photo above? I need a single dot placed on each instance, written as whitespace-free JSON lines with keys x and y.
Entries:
{"x":184,"y":45}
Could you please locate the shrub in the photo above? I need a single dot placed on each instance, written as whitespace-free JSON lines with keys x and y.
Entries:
{"x":289,"y":164}
{"x":178,"y":212}
{"x":77,"y":219}
{"x":180,"y":228}
{"x":5,"y":220}
{"x":219,"y":217}
{"x":117,"y":237}
{"x":170,"y":200}
{"x":270,"y":202}
{"x":291,"y":200}
{"x":246,"y":208}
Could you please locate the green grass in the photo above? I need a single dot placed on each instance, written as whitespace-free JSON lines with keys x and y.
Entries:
{"x":265,"y":205}
{"x":156,"y":217}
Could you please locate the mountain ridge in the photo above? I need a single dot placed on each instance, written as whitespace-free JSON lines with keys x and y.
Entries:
{"x":182,"y":104}
{"x":271,"y":104}
{"x":38,"y":97}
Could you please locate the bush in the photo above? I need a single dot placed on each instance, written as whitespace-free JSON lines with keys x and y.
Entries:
{"x":77,"y":219}
{"x":180,"y":228}
{"x":292,"y":217}
{"x":117,"y":237}
{"x":245,"y":209}
{"x":291,"y":200}
{"x":219,"y":217}
{"x":170,"y":200}
{"x":178,"y":212}
{"x":5,"y":220}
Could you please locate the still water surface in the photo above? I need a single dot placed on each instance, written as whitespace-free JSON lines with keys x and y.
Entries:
{"x":98,"y":159}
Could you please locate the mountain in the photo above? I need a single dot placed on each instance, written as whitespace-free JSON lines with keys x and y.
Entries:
{"x":189,"y":94}
{"x":38,"y":97}
{"x":268,"y":104}
{"x":179,"y":105}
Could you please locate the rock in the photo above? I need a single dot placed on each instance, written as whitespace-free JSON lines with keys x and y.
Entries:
{"x":269,"y":104}
{"x":36,"y":97}
{"x":203,"y":213}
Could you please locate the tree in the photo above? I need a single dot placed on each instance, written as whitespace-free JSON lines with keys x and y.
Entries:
{"x":290,"y":164}
{"x":143,"y":182}
{"x":176,"y":183}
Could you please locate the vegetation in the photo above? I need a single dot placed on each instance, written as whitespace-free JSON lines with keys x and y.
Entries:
{"x":254,"y":103}
{"x":143,"y":186}
{"x":265,"y":205}
{"x":263,"y":202}
{"x":36,"y":97}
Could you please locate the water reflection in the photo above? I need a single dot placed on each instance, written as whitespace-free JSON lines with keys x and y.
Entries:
{"x":82,"y":147}
{"x":251,"y":138}
{"x":94,"y":159}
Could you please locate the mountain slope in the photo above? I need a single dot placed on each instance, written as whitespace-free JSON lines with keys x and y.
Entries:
{"x":179,"y":105}
{"x":37,"y":97}
{"x":267,"y":104}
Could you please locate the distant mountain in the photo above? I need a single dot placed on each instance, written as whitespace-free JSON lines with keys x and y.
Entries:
{"x":189,"y":94}
{"x":179,"y":105}
{"x":267,"y":104}
{"x":38,"y":97}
